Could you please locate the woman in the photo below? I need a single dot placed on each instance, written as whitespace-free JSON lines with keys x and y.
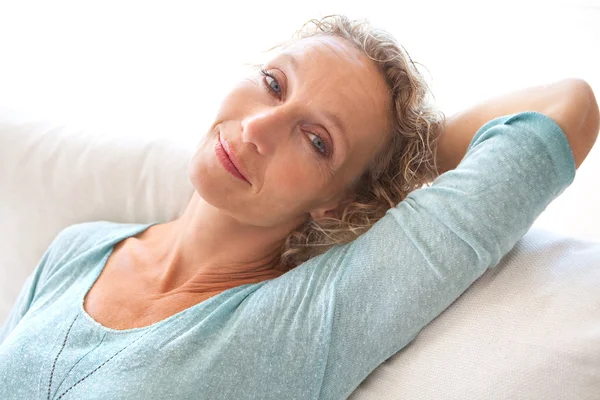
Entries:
{"x":310,"y":251}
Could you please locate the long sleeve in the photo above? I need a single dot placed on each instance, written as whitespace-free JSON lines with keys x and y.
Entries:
{"x":425,"y":252}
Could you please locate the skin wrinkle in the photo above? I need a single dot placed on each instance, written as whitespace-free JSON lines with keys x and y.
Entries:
{"x":230,"y":232}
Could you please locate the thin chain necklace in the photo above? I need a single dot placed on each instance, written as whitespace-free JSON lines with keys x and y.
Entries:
{"x":96,"y":369}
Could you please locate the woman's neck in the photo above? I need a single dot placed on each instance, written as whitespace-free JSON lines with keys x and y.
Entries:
{"x":206,"y":250}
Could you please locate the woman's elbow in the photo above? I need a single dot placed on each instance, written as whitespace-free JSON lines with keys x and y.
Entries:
{"x":578,"y":116}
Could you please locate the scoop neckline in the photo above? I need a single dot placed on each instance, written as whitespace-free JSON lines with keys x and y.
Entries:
{"x":111,"y":246}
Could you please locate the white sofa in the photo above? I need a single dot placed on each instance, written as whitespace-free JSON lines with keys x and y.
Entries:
{"x":528,"y":329}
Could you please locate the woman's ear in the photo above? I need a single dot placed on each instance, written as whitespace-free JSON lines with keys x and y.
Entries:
{"x":324,"y":213}
{"x":333,"y":209}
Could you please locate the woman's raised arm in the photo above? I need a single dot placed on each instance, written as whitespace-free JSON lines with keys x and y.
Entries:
{"x":425,"y":252}
{"x":570,"y":103}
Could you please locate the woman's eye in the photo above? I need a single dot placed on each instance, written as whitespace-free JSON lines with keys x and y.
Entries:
{"x":319,"y":143}
{"x":271,"y":82}
{"x":274,"y":85}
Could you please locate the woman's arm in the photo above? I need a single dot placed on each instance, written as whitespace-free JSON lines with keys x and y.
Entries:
{"x":418,"y":259}
{"x":570,"y":103}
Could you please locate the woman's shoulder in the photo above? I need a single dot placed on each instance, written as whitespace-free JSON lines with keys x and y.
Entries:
{"x":82,"y":244}
{"x":83,"y":235}
{"x":78,"y":239}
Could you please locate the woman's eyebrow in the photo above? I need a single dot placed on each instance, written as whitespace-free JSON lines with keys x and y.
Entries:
{"x":292,"y":61}
{"x":339,"y":126}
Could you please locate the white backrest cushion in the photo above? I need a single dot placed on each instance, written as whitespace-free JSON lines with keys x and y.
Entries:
{"x":53,"y":175}
{"x":527,"y":329}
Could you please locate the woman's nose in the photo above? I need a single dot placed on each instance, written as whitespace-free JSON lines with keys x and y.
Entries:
{"x":264,"y":129}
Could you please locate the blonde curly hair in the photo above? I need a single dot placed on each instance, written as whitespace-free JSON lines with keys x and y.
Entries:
{"x":405,"y":163}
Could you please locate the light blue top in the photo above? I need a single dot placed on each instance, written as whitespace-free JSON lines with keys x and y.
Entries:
{"x":315,"y":332}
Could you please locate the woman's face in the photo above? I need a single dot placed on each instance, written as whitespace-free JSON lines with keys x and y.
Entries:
{"x":303,"y":129}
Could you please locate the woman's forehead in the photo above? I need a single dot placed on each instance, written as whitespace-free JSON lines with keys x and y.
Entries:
{"x":331,"y":66}
{"x":330,"y":73}
{"x":333,"y":51}
{"x":332,"y":43}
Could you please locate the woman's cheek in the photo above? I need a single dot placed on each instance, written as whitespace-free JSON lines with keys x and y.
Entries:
{"x":242,"y":97}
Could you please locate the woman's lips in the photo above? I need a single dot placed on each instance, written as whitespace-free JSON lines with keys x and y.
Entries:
{"x":227,"y":159}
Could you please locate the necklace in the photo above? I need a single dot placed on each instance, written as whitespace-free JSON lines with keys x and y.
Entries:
{"x":56,"y":359}
{"x":82,"y":379}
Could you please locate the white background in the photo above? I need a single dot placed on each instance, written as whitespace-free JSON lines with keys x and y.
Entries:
{"x":151,"y":69}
